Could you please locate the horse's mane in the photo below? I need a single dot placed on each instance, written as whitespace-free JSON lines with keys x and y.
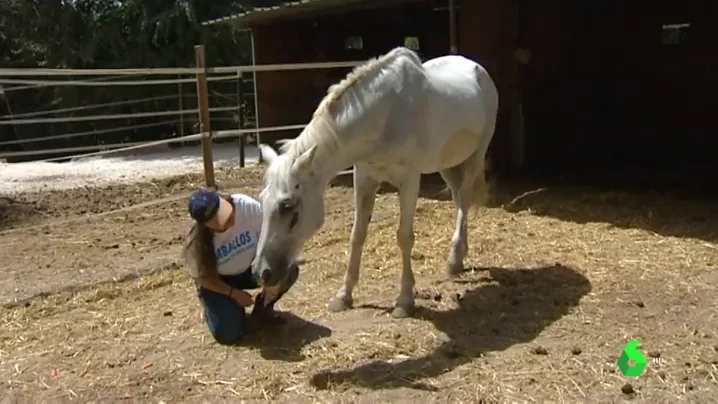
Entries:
{"x":335,"y":92}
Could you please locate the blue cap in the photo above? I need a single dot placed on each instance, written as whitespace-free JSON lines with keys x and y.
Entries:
{"x":203,"y":205}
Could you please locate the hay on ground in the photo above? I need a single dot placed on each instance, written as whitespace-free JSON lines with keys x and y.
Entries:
{"x":558,"y":283}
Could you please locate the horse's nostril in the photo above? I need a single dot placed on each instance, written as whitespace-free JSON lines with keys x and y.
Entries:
{"x":266,"y":275}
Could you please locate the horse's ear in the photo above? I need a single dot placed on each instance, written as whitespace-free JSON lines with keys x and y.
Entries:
{"x":268,"y":154}
{"x":304,"y":162}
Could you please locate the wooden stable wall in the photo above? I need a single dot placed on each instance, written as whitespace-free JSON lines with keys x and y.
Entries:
{"x":603,"y":91}
{"x":487,"y":33}
{"x":669,"y":90}
{"x":547,"y":29}
{"x":287,"y":97}
{"x":290,"y":97}
{"x":600,"y":90}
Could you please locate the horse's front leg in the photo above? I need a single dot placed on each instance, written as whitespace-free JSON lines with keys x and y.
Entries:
{"x":408,"y":196}
{"x":365,"y":189}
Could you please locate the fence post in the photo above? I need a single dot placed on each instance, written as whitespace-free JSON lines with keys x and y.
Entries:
{"x":240,"y":118}
{"x":180,"y":96}
{"x":452,"y":27}
{"x":204,"y":123}
{"x":256,"y":98}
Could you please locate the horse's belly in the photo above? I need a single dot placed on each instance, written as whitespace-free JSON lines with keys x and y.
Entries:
{"x":457,"y":149}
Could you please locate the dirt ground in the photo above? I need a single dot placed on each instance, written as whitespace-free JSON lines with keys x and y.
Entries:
{"x":99,"y":309}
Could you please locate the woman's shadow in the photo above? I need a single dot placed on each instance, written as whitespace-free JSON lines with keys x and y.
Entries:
{"x":285,"y":342}
{"x":513,"y":307}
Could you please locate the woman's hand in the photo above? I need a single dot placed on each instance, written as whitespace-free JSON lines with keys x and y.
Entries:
{"x":217,"y":285}
{"x":243,"y":298}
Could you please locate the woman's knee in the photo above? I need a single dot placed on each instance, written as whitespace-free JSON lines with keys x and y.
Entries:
{"x":226,"y":331}
{"x":225,"y":318}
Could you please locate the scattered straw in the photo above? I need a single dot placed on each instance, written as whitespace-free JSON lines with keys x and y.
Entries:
{"x":553,"y":291}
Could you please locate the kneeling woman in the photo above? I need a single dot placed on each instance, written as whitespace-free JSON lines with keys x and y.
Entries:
{"x":219,"y":251}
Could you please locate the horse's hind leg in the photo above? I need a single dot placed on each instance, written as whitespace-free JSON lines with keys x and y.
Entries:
{"x":365,"y":189}
{"x":468,"y":187}
{"x":454,"y":177}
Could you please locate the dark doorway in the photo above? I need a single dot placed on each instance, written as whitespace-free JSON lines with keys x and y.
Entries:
{"x":621,"y":88}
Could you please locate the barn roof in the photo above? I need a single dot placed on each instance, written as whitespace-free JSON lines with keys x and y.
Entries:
{"x":293,"y":8}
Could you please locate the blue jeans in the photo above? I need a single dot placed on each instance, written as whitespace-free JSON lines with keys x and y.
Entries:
{"x":226,"y":319}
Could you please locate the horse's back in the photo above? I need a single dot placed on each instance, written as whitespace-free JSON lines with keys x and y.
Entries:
{"x":434,"y":114}
{"x":455,"y":76}
{"x":462,"y":100}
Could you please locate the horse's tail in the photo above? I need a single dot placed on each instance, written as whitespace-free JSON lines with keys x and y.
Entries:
{"x":485,"y":181}
{"x":483,"y":186}
{"x":480,"y":165}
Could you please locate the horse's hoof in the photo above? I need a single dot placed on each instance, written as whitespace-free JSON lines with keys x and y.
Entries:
{"x":454,"y":270}
{"x":403,"y":311}
{"x":338,"y":304}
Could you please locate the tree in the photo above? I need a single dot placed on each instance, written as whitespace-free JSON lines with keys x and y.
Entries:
{"x":111,"y":34}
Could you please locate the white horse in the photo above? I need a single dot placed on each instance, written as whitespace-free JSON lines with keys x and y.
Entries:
{"x":393,"y":119}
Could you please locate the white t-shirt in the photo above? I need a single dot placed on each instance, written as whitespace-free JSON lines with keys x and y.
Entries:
{"x":235,"y":248}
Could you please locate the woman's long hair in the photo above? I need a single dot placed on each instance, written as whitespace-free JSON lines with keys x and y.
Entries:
{"x":198,"y":250}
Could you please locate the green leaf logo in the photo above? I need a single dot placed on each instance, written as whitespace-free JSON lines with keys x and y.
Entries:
{"x":631,"y":353}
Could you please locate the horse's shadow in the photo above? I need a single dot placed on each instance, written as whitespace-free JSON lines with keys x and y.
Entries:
{"x":285,"y":342}
{"x":515,"y":306}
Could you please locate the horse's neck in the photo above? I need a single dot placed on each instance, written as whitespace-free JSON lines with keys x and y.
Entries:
{"x":349,"y":132}
{"x":339,"y":147}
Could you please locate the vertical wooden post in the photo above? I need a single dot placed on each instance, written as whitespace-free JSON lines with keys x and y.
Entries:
{"x":453,"y":47}
{"x":240,"y":118}
{"x":181,"y":105}
{"x":510,"y":67}
{"x":256,"y":97}
{"x":204,"y":124}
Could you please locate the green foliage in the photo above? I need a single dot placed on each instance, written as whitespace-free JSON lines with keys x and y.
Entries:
{"x":115,"y":34}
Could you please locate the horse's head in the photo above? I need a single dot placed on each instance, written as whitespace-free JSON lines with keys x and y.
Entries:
{"x":293,"y":211}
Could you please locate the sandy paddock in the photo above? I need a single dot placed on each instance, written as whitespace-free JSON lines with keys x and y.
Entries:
{"x":99,"y":309}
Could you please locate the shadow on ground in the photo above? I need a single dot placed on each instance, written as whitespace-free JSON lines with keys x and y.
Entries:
{"x":432,"y":186}
{"x":674,"y":213}
{"x":514,"y":306}
{"x":285,"y":342}
{"x":14,"y":212}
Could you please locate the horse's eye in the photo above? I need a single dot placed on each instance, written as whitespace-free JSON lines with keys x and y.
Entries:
{"x":285,"y":206}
